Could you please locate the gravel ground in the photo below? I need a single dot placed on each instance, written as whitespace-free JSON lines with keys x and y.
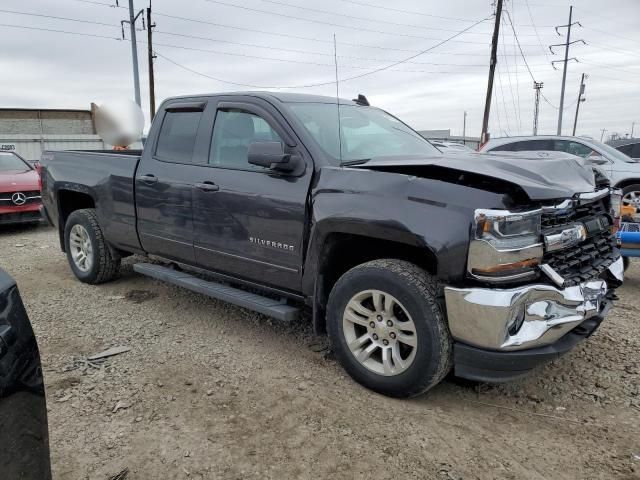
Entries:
{"x":209,"y":390}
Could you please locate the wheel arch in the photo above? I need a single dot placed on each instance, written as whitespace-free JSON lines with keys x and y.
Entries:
{"x":339,"y":251}
{"x":627,"y":181}
{"x":70,"y":200}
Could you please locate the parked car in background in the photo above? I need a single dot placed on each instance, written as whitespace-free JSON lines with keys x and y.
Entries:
{"x":622,"y":171}
{"x":20,"y":199}
{"x":24,"y":437}
{"x":450,"y":147}
{"x":629,"y":146}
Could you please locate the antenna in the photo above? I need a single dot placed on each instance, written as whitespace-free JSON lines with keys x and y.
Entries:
{"x":335,"y":59}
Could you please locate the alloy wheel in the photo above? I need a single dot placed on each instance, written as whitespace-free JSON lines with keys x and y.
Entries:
{"x":81,"y":248}
{"x":379,"y":332}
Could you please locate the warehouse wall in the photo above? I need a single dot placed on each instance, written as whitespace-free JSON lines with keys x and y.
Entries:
{"x":55,"y":122}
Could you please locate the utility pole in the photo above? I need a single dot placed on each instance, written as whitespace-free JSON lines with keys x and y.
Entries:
{"x":602,"y":135}
{"x":484,"y":136}
{"x":134,"y":47}
{"x":464,"y":128}
{"x":537,"y":86}
{"x":633,"y":124}
{"x":565,"y":61}
{"x":580,"y":100}
{"x":151,"y":56}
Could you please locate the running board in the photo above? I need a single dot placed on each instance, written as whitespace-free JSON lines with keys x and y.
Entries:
{"x":258,"y":303}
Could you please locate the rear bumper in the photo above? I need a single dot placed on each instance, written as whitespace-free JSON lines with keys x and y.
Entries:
{"x":482,"y":365}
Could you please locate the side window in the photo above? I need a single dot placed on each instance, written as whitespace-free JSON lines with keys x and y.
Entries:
{"x":626,"y":149}
{"x":534,"y":146}
{"x":509,"y":147}
{"x":177,"y":136}
{"x":635,"y":153}
{"x":574,"y":148}
{"x":234,"y":130}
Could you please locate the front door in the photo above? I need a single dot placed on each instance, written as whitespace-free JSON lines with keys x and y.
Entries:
{"x":164,"y":184}
{"x":249,"y":220}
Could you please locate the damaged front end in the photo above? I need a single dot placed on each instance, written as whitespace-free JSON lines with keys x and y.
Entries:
{"x":567,"y":254}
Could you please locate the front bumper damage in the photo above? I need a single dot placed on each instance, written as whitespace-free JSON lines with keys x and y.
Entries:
{"x":501,"y":334}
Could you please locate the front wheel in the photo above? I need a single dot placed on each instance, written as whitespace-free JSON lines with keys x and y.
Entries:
{"x":387,"y":328}
{"x":631,"y":196}
{"x":87,"y":251}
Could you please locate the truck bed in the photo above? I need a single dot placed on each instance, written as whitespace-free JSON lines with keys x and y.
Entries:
{"x":102,"y":177}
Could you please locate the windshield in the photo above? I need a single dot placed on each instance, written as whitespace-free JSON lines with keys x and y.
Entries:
{"x":365,"y":132}
{"x":609,"y":151}
{"x":9,"y":161}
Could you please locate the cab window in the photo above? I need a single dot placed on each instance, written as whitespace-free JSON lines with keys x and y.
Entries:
{"x":177,"y":137}
{"x":234,"y":130}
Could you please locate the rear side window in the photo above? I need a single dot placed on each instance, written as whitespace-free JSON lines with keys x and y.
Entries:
{"x":525,"y":146}
{"x":626,"y":149}
{"x":177,"y":136}
{"x":635,"y":153}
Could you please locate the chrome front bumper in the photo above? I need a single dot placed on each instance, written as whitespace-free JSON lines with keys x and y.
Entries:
{"x":523,"y":317}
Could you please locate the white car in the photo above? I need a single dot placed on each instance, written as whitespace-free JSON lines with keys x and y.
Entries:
{"x":622,"y":171}
{"x":450,"y":147}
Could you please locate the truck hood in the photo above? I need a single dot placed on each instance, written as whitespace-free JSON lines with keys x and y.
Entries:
{"x":18,"y":180}
{"x":540,"y":178}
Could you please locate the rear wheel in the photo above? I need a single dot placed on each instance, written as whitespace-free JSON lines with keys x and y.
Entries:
{"x":387,"y":328}
{"x":87,"y":251}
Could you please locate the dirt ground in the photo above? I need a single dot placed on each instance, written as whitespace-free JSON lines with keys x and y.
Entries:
{"x":209,"y":391}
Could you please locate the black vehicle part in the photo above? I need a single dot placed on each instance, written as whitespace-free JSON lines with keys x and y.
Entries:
{"x":420,"y":294}
{"x":24,"y":442}
{"x":481,"y":365}
{"x":274,"y":308}
{"x":105,"y":265}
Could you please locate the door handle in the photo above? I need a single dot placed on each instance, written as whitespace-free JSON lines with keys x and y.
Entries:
{"x":149,"y":179}
{"x":207,"y":186}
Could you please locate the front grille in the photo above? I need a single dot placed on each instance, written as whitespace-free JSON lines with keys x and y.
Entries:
{"x":32,"y":196}
{"x":589,"y":259}
{"x":19,"y":217}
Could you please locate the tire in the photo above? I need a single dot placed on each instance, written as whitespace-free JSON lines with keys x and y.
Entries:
{"x":416,"y":298}
{"x":82,"y":228}
{"x":626,"y":261}
{"x":631,"y":195}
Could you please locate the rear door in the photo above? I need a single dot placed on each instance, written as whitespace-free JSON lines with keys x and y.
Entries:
{"x":249,"y":221}
{"x":165,"y":179}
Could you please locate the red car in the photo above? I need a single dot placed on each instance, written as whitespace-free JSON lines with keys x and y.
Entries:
{"x":20,"y":199}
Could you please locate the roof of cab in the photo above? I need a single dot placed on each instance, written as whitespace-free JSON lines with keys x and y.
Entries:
{"x":279,"y":96}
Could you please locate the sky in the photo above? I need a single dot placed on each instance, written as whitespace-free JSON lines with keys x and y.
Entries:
{"x":211,"y":46}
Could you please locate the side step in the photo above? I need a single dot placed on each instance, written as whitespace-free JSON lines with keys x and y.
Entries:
{"x":252,"y":301}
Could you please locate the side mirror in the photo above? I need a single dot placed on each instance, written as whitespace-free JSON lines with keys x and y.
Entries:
{"x":596,"y":160}
{"x":271,"y":155}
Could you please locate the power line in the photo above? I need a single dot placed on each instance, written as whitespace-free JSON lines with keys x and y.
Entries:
{"x":15,"y":12}
{"x":612,"y":34}
{"x":60,"y":31}
{"x":309,"y":52}
{"x":516,"y":110}
{"x":536,"y":30}
{"x":100,"y":3}
{"x":359,"y":17}
{"x":354,"y":77}
{"x":322,"y":22}
{"x":412,"y":12}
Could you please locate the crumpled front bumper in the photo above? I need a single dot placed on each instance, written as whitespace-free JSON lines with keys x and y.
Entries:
{"x":525,"y":317}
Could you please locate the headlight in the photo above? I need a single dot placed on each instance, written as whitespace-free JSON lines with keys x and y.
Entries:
{"x":506,"y":245}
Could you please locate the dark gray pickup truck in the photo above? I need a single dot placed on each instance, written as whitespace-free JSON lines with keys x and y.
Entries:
{"x":414,"y":263}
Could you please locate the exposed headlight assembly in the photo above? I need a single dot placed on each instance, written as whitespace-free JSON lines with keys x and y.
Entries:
{"x":505,"y":245}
